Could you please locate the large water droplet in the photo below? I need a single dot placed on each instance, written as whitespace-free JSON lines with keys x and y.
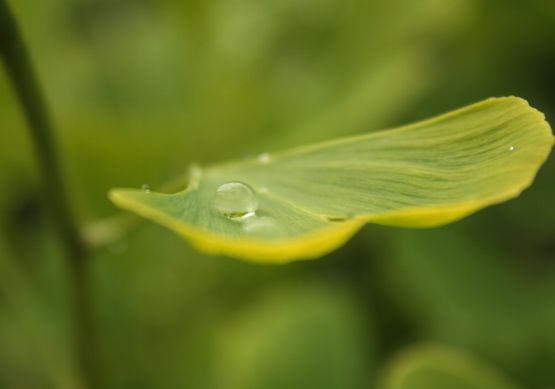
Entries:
{"x":235,"y":200}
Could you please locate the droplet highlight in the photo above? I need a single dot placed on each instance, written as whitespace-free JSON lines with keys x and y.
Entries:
{"x":264,"y":158}
{"x":235,"y":200}
{"x":264,"y":224}
{"x":512,"y":148}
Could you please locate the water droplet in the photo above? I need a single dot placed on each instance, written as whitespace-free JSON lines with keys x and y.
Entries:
{"x":264,"y":158}
{"x":195,"y":173}
{"x":337,"y":218}
{"x":263,"y":189}
{"x":145,"y":188}
{"x":236,"y":201}
{"x":512,"y":148}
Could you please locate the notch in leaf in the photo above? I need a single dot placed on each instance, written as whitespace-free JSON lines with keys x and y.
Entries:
{"x":306,"y":202}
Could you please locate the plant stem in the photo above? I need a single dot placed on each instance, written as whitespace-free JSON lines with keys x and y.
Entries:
{"x":22,"y":77}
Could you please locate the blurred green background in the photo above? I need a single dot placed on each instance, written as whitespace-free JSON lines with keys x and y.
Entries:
{"x":140,"y":89}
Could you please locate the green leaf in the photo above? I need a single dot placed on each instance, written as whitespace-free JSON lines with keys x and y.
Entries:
{"x":463,"y":282}
{"x":312,"y":199}
{"x":434,"y":367}
{"x":295,"y":336}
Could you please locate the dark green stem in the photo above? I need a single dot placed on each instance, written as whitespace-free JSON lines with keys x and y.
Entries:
{"x":22,"y":77}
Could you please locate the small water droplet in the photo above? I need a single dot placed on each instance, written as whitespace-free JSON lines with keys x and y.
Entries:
{"x":264,"y":158}
{"x":145,"y":188}
{"x":236,"y":201}
{"x":263,"y":189}
{"x":512,"y":148}
{"x":195,"y":173}
{"x":337,"y":218}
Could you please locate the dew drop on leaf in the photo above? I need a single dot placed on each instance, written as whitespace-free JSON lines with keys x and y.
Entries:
{"x":145,"y":188}
{"x":512,"y":148}
{"x":338,"y":218}
{"x":236,"y":201}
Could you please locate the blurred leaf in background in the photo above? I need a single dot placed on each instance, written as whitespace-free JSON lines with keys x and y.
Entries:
{"x":278,"y":342}
{"x":433,"y":367}
{"x":141,"y":89}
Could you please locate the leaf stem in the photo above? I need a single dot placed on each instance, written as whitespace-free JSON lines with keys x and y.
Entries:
{"x":22,"y":76}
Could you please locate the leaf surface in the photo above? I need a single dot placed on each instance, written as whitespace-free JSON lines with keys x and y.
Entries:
{"x":312,"y":199}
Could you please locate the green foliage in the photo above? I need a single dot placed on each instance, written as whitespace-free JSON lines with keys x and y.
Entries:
{"x":435,"y":367}
{"x":311,"y":199}
{"x":277,"y":342}
{"x":141,"y":88}
{"x":468,"y":288}
{"x":30,"y":340}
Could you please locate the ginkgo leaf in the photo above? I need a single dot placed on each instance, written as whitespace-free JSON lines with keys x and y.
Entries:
{"x":305,"y":202}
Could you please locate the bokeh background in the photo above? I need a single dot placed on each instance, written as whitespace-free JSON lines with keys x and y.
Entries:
{"x":140,"y":89}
